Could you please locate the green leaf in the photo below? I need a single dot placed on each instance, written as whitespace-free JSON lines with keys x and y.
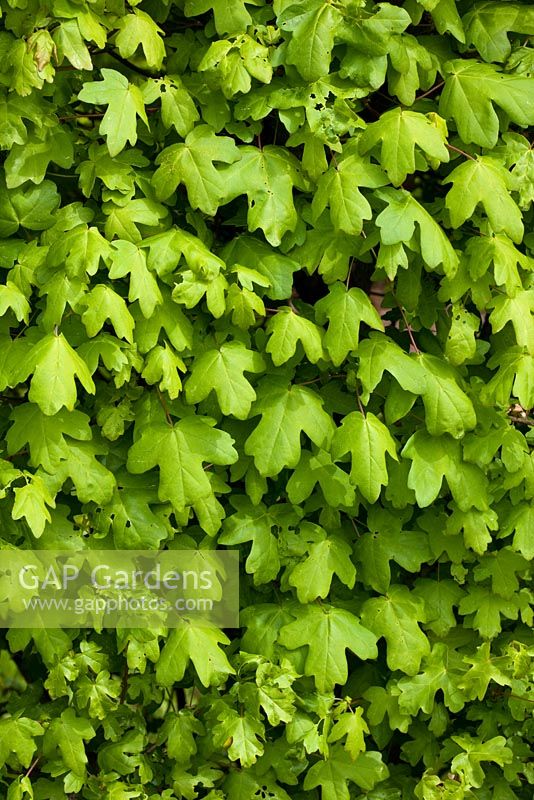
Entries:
{"x":17,"y":739}
{"x":179,"y":451}
{"x":441,"y":671}
{"x":139,"y":30}
{"x":437,"y":457}
{"x":379,"y":354}
{"x":313,"y":32}
{"x":484,"y":668}
{"x":30,"y":161}
{"x":263,"y":623}
{"x":31,"y":208}
{"x":519,"y":311}
{"x":244,"y":306}
{"x":338,"y":188}
{"x":276,"y":267}
{"x":128,"y":258}
{"x":482,"y":251}
{"x":353,"y":726}
{"x":222,"y":371}
{"x":255,"y":524}
{"x":198,"y":643}
{"x":69,"y":42}
{"x":334,"y":773}
{"x":134,"y":523}
{"x":327,"y":632}
{"x":475,"y":751}
{"x":11,"y":297}
{"x":170,"y":319}
{"x":345,"y":310}
{"x":313,"y":576}
{"x":400,"y":131}
{"x":487,"y":608}
{"x":122,"y":756}
{"x":267,"y":177}
{"x":447,"y":408}
{"x":45,"y":434}
{"x":177,"y":107}
{"x":397,"y":224}
{"x":92,"y":480}
{"x":439,"y":598}
{"x":286,"y":329}
{"x":371,"y":34}
{"x":502,"y":569}
{"x":124,"y":218}
{"x":243,"y":731}
{"x":514,"y":376}
{"x":461,"y":343}
{"x":319,"y":468}
{"x":396,"y":617}
{"x":484,"y":181}
{"x":411,"y":67}
{"x":285,"y":412}
{"x":229,"y":19}
{"x":124,"y":104}
{"x":55,"y":365}
{"x":65,"y":735}
{"x":375,"y":549}
{"x":473,"y":89}
{"x":101,"y":304}
{"x":368,"y":440}
{"x":488,"y":25}
{"x":446,"y":18}
{"x":178,"y":731}
{"x":521,"y":520}
{"x":162,"y":365}
{"x":98,"y":695}
{"x":193,"y":164}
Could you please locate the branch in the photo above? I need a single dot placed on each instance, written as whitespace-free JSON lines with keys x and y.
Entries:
{"x":522,"y":420}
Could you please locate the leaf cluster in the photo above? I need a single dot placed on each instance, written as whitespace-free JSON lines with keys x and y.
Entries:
{"x":267,"y":285}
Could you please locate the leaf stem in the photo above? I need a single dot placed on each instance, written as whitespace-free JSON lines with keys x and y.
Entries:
{"x":32,"y":767}
{"x":431,"y":91}
{"x":409,"y":330}
{"x":164,"y":406}
{"x":462,"y":152}
{"x":292,"y":307}
{"x":360,"y":406}
{"x":349,"y":273}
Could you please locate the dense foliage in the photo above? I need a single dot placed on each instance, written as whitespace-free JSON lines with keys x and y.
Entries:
{"x":198,"y":199}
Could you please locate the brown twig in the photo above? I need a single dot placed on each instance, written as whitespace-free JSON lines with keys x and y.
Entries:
{"x":98,"y":114}
{"x":521,"y":419}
